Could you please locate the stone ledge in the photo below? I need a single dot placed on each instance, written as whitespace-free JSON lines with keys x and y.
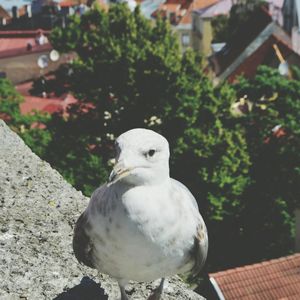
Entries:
{"x":38,"y":209}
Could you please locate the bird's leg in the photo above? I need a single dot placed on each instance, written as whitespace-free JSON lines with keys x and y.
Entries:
{"x":156,"y":294}
{"x":123,"y":293}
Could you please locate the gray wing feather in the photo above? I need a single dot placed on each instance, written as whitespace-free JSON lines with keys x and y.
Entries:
{"x":199,"y":250}
{"x":200,"y":247}
{"x":82,"y":244}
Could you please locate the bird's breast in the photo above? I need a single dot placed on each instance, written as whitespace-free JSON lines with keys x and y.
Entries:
{"x":142,"y":231}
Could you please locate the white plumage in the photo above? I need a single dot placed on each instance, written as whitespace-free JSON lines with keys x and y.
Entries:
{"x":142,"y":225}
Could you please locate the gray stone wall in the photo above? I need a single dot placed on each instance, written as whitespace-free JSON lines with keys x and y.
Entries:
{"x":38,"y":209}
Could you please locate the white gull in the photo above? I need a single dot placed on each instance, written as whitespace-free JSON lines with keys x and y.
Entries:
{"x":142,"y":225}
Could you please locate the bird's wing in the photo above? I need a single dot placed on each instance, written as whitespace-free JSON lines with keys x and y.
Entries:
{"x":82,"y":240}
{"x":199,"y":249}
{"x":200,"y":246}
{"x":82,"y":244}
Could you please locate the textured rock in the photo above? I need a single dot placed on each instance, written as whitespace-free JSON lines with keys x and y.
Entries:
{"x":38,"y":209}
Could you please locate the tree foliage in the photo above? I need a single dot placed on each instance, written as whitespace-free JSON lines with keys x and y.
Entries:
{"x":130,"y":73}
{"x":220,"y":29}
{"x":27,"y":126}
{"x":10,"y":100}
{"x":273,"y":135}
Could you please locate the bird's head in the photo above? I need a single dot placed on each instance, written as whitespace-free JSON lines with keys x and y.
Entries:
{"x":142,"y":158}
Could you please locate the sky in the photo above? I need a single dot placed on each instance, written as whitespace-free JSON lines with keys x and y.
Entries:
{"x":8,"y":4}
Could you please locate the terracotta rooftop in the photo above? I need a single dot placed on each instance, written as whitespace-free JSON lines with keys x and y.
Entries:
{"x":242,"y":38}
{"x":201,"y":4}
{"x":264,"y":55}
{"x":14,"y":43}
{"x":222,"y":7}
{"x":182,"y":8}
{"x":50,"y":105}
{"x":67,"y":3}
{"x":269,"y":280}
{"x":252,"y":46}
{"x":22,"y":33}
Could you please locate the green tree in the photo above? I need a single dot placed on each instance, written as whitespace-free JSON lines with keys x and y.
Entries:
{"x":74,"y":154}
{"x":130,"y":73}
{"x":27,"y":126}
{"x":273,"y":137}
{"x":10,"y":100}
{"x":220,"y":28}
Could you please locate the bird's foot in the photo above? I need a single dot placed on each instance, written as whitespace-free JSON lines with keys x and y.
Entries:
{"x":123,"y":293}
{"x":124,"y":297}
{"x":156,"y":294}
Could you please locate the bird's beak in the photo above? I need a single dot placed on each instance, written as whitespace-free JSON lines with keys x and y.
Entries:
{"x":119,"y":171}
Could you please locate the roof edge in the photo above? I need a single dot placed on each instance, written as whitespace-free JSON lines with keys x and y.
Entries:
{"x":249,"y":50}
{"x":216,"y":288}
{"x":254,"y":265}
{"x":23,"y":51}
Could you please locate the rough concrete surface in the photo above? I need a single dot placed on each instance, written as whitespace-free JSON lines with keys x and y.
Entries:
{"x":38,"y":209}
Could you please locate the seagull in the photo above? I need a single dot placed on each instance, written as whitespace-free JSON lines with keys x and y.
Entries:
{"x":141,"y":225}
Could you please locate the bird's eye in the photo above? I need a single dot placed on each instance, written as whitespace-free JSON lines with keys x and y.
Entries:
{"x":151,"y":152}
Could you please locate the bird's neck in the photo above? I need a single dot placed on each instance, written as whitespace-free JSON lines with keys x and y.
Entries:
{"x":123,"y":186}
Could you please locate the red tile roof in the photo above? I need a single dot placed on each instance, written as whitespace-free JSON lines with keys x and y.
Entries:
{"x":252,"y":46}
{"x":182,"y":8}
{"x":50,"y":105}
{"x":22,"y":33}
{"x":196,"y":5}
{"x":274,"y":279}
{"x":262,"y":56}
{"x":14,"y":43}
{"x":242,"y":38}
{"x":67,"y":3}
{"x":70,"y":3}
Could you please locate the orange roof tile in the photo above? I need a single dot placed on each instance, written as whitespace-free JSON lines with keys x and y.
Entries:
{"x":50,"y":105}
{"x":274,"y":279}
{"x":14,"y":43}
{"x":187,"y":18}
{"x":196,"y":5}
{"x":200,"y":4}
{"x":69,"y":3}
{"x":183,"y":8}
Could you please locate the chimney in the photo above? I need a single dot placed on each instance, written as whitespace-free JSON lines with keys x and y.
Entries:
{"x":297,"y":230}
{"x":15,"y":12}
